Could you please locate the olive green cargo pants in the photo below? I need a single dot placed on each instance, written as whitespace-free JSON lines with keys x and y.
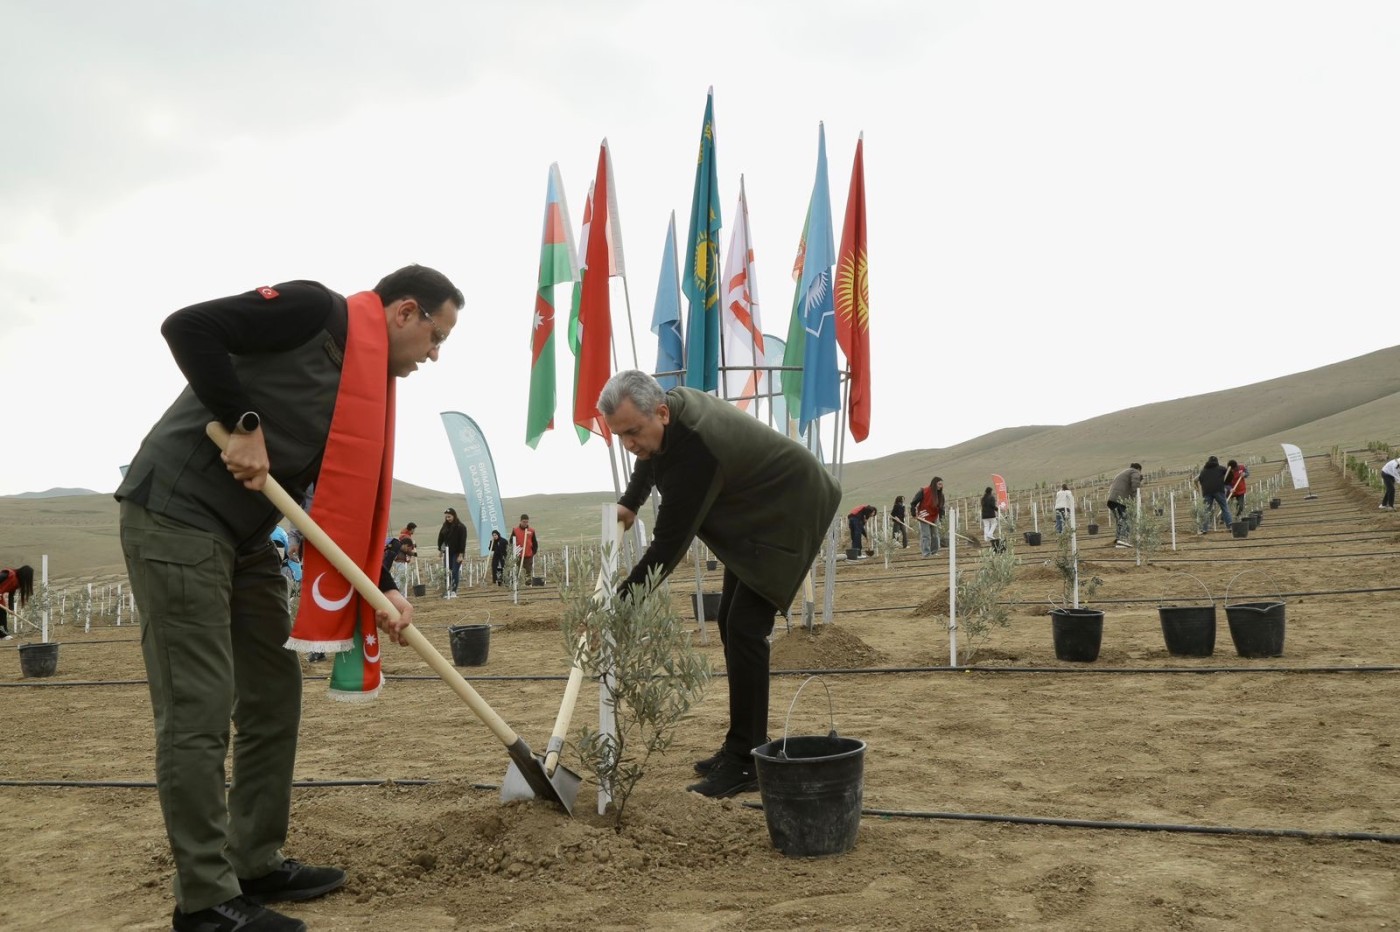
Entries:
{"x":213,"y":623}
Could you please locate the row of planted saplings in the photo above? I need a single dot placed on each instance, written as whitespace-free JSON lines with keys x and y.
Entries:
{"x":1256,"y":627}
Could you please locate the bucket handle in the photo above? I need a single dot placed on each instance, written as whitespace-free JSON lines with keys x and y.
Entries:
{"x":830,"y":711}
{"x":466,"y":619}
{"x":1210,"y":598}
{"x":1272,"y":581}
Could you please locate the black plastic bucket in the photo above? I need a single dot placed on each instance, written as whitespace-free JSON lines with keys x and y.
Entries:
{"x":1033,"y":538}
{"x":812,"y":786}
{"x":38,"y":659}
{"x":419,"y":590}
{"x":470,"y":644}
{"x":1189,"y":630}
{"x":1240,"y":528}
{"x":1256,"y":628}
{"x":1253,"y":520}
{"x":1078,"y":632}
{"x":711,"y":606}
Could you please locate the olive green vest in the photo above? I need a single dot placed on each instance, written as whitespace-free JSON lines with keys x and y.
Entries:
{"x":178,"y":472}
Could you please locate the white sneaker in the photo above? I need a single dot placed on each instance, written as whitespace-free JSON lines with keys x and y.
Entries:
{"x":8,"y":637}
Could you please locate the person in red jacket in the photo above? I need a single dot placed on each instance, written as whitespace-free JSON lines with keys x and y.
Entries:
{"x":928,"y":506}
{"x":525,"y":543}
{"x":1235,"y":485}
{"x":14,"y":582}
{"x":856,"y":520}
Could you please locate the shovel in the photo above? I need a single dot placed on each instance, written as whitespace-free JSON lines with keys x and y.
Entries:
{"x":514,"y":778}
{"x":561,"y":788}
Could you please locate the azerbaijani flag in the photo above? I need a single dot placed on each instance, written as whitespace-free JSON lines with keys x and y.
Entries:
{"x":853,"y":300}
{"x":558,"y":263}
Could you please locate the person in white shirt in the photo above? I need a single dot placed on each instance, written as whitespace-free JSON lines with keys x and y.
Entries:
{"x":1064,"y":504}
{"x":1389,"y":473}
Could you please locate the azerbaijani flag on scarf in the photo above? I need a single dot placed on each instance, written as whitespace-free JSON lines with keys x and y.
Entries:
{"x":558,"y":263}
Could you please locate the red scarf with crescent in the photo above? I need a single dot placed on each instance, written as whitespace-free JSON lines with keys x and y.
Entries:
{"x":351,"y":505}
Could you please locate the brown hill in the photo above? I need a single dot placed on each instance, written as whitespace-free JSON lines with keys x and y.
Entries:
{"x":1346,"y":404}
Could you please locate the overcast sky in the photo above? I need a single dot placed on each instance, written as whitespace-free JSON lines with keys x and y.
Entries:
{"x":1074,"y":207}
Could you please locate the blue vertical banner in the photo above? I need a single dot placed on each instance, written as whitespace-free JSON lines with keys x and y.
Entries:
{"x":478,"y":476}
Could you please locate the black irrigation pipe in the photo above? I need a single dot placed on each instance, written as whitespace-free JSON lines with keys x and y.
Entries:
{"x":837,"y":671}
{"x":299,"y":784}
{"x":1126,"y":826}
{"x":881,"y":813}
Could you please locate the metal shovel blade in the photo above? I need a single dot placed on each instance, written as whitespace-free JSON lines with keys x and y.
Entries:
{"x":526,"y":778}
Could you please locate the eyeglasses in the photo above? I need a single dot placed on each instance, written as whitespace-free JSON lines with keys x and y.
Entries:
{"x":438,"y":336}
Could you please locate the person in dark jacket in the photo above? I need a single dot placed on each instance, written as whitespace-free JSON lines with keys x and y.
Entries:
{"x":989,"y":515}
{"x":498,"y":558}
{"x":452,"y":542}
{"x":1121,"y":493}
{"x":897,"y":526}
{"x":1212,"y":483}
{"x":278,"y":366}
{"x":763,"y":505}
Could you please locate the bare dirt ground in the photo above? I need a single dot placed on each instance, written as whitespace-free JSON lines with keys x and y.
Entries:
{"x":1286,"y":743}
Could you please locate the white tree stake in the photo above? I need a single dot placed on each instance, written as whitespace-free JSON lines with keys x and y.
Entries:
{"x":953,"y":593}
{"x":607,"y":714}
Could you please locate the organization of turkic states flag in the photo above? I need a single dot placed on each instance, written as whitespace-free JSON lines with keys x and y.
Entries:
{"x":821,"y":387}
{"x":595,"y":312}
{"x":796,"y":336}
{"x":853,"y":300}
{"x":478,"y":473}
{"x":743,"y":330}
{"x":666,"y":315}
{"x":701,"y":281}
{"x":558,"y":263}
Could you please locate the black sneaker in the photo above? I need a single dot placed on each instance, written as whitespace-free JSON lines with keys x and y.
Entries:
{"x":293,"y":881}
{"x":236,"y":915}
{"x":705,"y":764}
{"x":727,"y":778}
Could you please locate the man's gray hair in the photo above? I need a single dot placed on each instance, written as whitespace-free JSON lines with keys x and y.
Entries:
{"x":642,"y":390}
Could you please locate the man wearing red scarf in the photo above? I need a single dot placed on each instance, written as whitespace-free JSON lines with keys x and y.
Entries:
{"x":304,"y":380}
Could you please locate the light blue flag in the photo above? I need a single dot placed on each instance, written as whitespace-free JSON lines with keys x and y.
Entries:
{"x":666,"y":314}
{"x":701,"y":283}
{"x":478,"y":476}
{"x":821,"y":387}
{"x":773,"y":350}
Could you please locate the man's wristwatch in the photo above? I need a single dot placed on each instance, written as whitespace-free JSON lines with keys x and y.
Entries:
{"x":247,"y":422}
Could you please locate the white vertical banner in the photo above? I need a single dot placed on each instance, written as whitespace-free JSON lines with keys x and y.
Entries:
{"x":1295,"y":465}
{"x":740,"y":325}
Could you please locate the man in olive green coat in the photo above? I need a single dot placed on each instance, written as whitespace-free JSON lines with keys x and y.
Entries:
{"x":763,"y":505}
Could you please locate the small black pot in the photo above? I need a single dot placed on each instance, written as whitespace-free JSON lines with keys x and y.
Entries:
{"x":1092,"y":529}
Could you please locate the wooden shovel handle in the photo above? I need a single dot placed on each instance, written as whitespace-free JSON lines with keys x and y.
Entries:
{"x":369,"y":591}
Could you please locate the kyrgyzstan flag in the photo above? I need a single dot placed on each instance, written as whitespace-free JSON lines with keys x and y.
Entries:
{"x":853,"y":299}
{"x":595,"y":311}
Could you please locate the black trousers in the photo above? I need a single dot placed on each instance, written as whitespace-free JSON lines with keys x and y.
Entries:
{"x":745,"y":621}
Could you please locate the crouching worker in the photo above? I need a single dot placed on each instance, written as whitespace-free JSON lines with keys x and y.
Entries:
{"x":761,"y":503}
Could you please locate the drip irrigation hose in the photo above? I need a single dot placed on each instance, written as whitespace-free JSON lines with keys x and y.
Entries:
{"x":1382,"y":837}
{"x":1126,"y":826}
{"x":838,"y":671}
{"x":299,"y":784}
